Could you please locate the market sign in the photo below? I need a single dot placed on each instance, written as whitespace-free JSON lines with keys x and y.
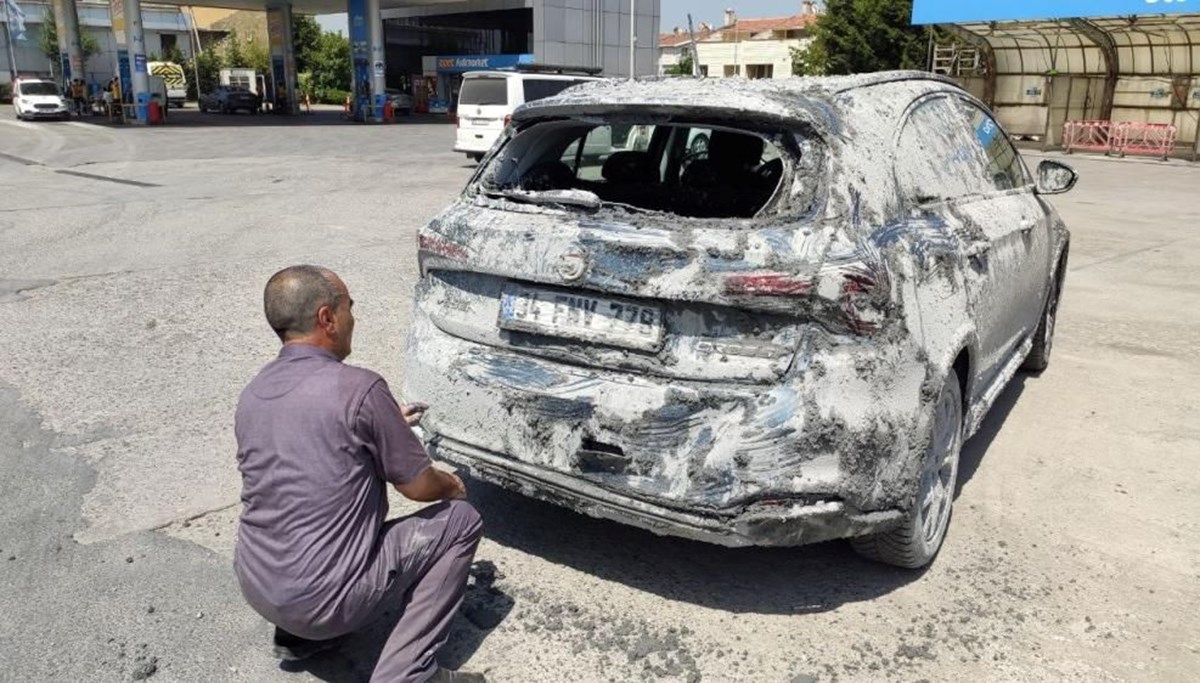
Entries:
{"x":484,"y":62}
{"x":962,"y":11}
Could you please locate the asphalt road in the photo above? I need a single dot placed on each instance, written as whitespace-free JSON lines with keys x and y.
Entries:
{"x":131,"y":267}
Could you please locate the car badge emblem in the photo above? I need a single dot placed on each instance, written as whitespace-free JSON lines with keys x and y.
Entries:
{"x":572,"y":265}
{"x":478,"y":111}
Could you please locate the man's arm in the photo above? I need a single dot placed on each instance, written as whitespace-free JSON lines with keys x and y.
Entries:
{"x":401,"y":457}
{"x":433,"y":484}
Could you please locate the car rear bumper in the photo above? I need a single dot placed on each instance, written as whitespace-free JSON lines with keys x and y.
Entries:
{"x":475,"y":141}
{"x":782,"y":523}
{"x":810,"y":458}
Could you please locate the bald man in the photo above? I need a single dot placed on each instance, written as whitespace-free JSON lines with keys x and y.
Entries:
{"x":318,"y":441}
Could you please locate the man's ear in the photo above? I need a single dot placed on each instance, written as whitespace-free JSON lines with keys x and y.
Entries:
{"x":325,"y":317}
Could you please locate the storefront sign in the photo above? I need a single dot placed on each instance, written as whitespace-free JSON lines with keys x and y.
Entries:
{"x":480,"y":62}
{"x":959,"y":11}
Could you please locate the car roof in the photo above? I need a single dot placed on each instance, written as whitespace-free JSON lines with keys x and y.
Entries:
{"x":821,"y":102}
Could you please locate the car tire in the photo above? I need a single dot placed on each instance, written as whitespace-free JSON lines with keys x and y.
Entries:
{"x":1043,"y":340}
{"x":916,"y":541}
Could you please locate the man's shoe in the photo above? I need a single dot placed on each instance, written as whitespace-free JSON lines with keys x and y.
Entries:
{"x":293,"y":648}
{"x":448,"y":676}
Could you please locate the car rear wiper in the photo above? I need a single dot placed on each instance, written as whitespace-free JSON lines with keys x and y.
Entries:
{"x":581,"y":198}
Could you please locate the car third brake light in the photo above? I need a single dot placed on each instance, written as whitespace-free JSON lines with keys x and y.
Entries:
{"x":438,"y":247}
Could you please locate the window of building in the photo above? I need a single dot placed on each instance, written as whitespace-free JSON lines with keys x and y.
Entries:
{"x":732,"y":70}
{"x":760,"y":71}
{"x":168,"y":41}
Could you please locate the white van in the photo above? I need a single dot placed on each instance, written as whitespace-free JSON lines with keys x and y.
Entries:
{"x":34,"y":98}
{"x":487,"y":100}
{"x":175,"y":79}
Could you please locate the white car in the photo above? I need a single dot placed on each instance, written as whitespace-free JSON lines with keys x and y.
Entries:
{"x":487,"y":100}
{"x":33,"y":99}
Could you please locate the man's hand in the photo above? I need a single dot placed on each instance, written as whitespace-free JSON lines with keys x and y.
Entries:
{"x":413,"y":412}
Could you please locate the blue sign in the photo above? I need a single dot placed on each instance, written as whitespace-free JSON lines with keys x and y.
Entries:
{"x":139,"y":63}
{"x":480,"y":62}
{"x":123,"y":73}
{"x":961,"y":11}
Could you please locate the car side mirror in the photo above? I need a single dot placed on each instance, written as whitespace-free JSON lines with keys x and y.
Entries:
{"x":1055,"y":177}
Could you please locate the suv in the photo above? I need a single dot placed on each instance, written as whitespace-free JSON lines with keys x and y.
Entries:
{"x":36,"y":99}
{"x":780,"y":338}
{"x":487,"y":100}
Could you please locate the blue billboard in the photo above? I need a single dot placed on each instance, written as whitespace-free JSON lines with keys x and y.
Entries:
{"x":463,"y":63}
{"x":962,"y":11}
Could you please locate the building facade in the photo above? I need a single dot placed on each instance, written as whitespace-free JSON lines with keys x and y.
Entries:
{"x":749,"y":48}
{"x":166,"y":27}
{"x":428,"y":46}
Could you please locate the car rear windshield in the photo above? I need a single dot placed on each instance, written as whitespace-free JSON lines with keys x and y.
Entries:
{"x":41,"y":88}
{"x":484,"y":91}
{"x":540,"y":88}
{"x":697,"y":170}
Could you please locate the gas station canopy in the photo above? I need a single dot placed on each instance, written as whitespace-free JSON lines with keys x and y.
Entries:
{"x":302,"y":6}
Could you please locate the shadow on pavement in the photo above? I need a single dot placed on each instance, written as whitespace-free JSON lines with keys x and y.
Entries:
{"x":974,"y":450}
{"x":484,"y":607}
{"x":808,"y":579}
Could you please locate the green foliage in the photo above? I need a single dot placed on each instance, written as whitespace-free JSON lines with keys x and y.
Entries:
{"x":857,"y":36}
{"x":208,"y":66}
{"x":306,"y":36}
{"x":330,"y":63}
{"x":683,"y":67}
{"x":48,"y":41}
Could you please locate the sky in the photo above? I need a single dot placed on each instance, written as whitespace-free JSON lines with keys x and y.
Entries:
{"x":674,"y":12}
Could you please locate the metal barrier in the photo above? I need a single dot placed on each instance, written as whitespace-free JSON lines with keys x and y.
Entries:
{"x":1089,"y":136}
{"x":1150,"y":139}
{"x":1120,"y":137}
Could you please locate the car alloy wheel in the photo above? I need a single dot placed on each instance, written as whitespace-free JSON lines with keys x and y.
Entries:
{"x":917,"y":540}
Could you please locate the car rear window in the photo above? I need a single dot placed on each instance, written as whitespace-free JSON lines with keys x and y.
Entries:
{"x":540,"y":88}
{"x":484,"y":91}
{"x":694,"y":170}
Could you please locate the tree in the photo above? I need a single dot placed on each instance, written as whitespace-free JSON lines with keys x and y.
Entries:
{"x":331,"y":63}
{"x":857,"y":36}
{"x":683,"y":67}
{"x":48,"y":42}
{"x":306,"y":36}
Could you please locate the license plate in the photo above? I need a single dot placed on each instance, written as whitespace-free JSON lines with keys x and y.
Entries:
{"x":603,"y":320}
{"x":480,"y":122}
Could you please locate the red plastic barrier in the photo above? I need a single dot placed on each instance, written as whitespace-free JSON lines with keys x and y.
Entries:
{"x":1150,"y":139}
{"x":1089,"y":136}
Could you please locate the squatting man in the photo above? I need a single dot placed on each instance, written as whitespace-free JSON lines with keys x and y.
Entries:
{"x":318,"y":442}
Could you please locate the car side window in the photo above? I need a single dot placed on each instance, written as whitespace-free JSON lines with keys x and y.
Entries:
{"x":1005,"y":170}
{"x":937,"y":155}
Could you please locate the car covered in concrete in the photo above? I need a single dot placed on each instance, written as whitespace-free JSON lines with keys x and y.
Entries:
{"x":782,"y":337}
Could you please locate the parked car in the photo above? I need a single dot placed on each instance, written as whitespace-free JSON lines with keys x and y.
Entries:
{"x":229,"y":98}
{"x":783,"y":338}
{"x":402,"y":102}
{"x":487,"y":100}
{"x":37,"y":99}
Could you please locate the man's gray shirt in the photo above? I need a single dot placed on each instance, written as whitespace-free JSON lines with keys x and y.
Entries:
{"x":318,"y":441}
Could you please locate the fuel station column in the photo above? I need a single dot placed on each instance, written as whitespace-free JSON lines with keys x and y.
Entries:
{"x":367,"y":59}
{"x":66,"y":17}
{"x":139,"y":78}
{"x":283,"y":58}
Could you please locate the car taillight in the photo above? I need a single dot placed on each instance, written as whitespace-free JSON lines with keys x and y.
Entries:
{"x":766,"y":284}
{"x":846,"y":297}
{"x":507,"y":120}
{"x":434,"y":246}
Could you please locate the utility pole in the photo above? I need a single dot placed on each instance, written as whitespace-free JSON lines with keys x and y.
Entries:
{"x":695,"y":48}
{"x":8,"y":39}
{"x":632,"y":38}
